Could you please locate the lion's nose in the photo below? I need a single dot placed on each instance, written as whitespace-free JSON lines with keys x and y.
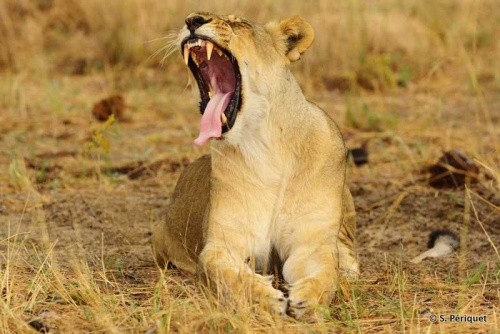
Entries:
{"x":196,"y":21}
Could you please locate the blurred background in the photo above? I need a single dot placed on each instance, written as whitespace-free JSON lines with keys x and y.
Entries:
{"x":376,"y":44}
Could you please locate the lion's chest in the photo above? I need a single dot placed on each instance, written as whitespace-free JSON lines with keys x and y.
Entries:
{"x":267,"y":175}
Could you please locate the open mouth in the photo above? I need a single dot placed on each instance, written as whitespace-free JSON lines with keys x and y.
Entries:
{"x":219,"y":80}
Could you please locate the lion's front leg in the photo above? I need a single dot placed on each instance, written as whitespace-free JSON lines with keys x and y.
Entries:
{"x":238,"y":230}
{"x":309,"y":246}
{"x":226,"y":268}
{"x":312,"y":275}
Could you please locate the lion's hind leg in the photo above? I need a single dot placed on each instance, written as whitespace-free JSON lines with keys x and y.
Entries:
{"x":169,"y":252}
{"x":179,"y":238}
{"x":348,"y":259}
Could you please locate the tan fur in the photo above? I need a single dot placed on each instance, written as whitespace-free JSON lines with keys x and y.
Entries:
{"x":276,"y":180}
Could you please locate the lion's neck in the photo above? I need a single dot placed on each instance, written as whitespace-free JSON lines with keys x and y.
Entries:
{"x":265,"y":128}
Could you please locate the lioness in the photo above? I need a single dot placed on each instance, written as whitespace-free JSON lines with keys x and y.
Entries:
{"x":275,"y":181}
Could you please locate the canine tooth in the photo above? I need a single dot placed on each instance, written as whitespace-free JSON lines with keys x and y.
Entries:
{"x":210,"y":47}
{"x":224,"y":118}
{"x":186,"y":54}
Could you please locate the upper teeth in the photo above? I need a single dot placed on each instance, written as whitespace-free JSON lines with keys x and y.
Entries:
{"x":209,"y":47}
{"x":191,"y":44}
{"x":186,"y":53}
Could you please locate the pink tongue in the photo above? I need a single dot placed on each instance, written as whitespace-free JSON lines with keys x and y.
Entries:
{"x":211,"y":124}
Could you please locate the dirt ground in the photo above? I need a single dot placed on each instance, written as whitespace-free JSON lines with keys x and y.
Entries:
{"x":101,"y":209}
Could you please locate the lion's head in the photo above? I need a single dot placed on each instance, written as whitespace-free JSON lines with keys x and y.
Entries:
{"x":231,"y":58}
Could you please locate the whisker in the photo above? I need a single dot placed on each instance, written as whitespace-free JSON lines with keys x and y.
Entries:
{"x":172,"y":35}
{"x":169,"y":48}
{"x":168,"y":53}
{"x":158,"y":51}
{"x":171,"y":39}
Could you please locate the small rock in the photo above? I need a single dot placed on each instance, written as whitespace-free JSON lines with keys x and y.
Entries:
{"x":359,"y":155}
{"x":113,"y":105}
{"x":443,"y":235}
{"x":39,"y":326}
{"x":451,"y":170}
{"x":441,"y":243}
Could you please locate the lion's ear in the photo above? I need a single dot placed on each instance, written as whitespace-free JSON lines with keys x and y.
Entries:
{"x":291,"y":37}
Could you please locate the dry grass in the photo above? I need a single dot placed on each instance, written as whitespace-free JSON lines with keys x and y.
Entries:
{"x":408,"y":79}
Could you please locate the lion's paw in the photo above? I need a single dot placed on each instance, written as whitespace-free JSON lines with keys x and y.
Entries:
{"x":297,"y":307}
{"x":279,"y":303}
{"x":275,"y":299}
{"x":304,"y":298}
